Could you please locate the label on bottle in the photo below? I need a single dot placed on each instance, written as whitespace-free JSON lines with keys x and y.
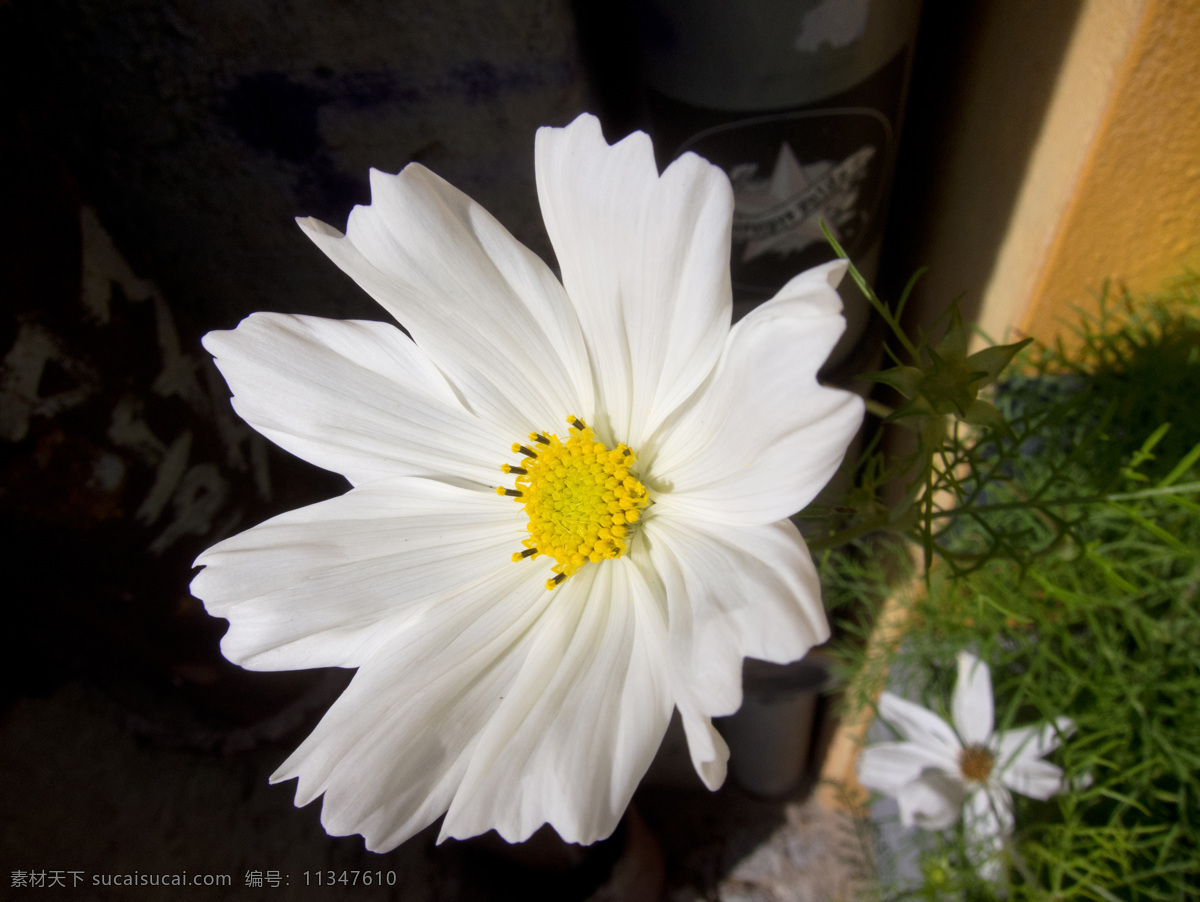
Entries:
{"x":828,"y":161}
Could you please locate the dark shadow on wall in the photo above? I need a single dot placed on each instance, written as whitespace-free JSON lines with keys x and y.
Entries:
{"x":950,"y":90}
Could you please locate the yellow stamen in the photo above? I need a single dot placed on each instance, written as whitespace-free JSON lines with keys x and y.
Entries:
{"x":580,"y":496}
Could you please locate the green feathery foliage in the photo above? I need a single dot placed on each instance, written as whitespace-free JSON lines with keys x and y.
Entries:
{"x":1068,"y":550}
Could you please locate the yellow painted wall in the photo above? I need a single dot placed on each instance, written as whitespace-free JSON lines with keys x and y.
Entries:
{"x":1085,"y":84}
{"x":1026,"y":107}
{"x":1134,"y":215}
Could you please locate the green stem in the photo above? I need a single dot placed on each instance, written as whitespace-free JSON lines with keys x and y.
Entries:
{"x":849,"y":534}
{"x":880,"y":410}
{"x":880,"y":307}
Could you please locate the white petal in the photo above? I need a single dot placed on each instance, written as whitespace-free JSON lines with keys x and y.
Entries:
{"x":327,"y":584}
{"x":1032,"y":742}
{"x":358,"y":398}
{"x":487,"y":310}
{"x":932,"y":802}
{"x":1033,"y":777}
{"x":989,"y":813}
{"x":920,"y":725}
{"x":762,"y":437}
{"x":645,"y":260}
{"x":707,"y":747}
{"x":889,"y":766}
{"x":731,"y":593}
{"x":972,"y":703}
{"x":391,"y":752}
{"x":581,"y":723}
{"x":988,"y":820}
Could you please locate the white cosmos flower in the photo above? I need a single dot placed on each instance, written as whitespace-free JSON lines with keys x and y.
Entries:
{"x":938,"y":767}
{"x":481,"y":693}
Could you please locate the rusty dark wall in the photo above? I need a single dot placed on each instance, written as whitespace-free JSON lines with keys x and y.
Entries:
{"x":153,"y":156}
{"x":120,"y":460}
{"x":200,"y":128}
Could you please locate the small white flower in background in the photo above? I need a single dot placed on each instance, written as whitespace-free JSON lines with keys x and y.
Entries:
{"x":940,"y":767}
{"x":518,"y":662}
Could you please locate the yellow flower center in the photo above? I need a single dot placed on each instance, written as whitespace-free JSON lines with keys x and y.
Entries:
{"x":976,"y":763}
{"x":581,"y":498}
